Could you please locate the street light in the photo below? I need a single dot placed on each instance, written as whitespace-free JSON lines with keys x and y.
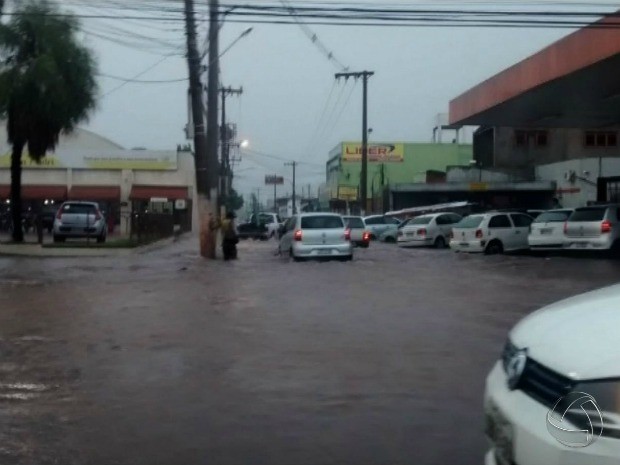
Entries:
{"x":244,"y":144}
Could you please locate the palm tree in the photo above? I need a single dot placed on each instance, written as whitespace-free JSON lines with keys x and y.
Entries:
{"x":47,"y":86}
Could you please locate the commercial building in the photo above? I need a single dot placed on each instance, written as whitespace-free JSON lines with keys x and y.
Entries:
{"x":554,"y":116}
{"x":389,"y":163}
{"x":86,"y":166}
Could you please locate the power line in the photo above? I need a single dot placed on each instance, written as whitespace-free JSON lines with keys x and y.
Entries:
{"x":140,"y":81}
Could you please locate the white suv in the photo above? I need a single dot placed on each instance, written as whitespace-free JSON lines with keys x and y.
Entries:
{"x":491,"y":233}
{"x":564,"y":352}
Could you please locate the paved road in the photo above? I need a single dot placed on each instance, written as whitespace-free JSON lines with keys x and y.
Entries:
{"x":164,"y":358}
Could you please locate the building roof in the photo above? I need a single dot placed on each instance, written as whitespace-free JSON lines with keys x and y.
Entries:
{"x":571,"y":83}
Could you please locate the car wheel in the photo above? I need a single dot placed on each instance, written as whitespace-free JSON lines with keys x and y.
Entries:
{"x":364,"y":245}
{"x":101,"y":239}
{"x":292,"y":255}
{"x":390,"y":240}
{"x":494,"y":248}
{"x":440,"y":243}
{"x":58,"y":239}
{"x":373,"y":237}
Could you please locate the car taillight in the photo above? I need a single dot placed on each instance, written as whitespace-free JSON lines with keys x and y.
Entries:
{"x":347,"y":234}
{"x":422,"y":232}
{"x":366,"y":236}
{"x":297,"y":235}
{"x":565,"y":227}
{"x":606,"y":226}
{"x":98,"y":215}
{"x":59,"y":214}
{"x":479,"y":233}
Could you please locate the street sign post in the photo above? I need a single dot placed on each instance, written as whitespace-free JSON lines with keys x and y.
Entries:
{"x":275,"y":180}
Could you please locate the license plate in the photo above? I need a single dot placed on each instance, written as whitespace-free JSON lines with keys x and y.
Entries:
{"x":325,"y":252}
{"x":581,"y":245}
{"x":500,"y":432}
{"x":409,"y":234}
{"x":546,"y":231}
{"x":464,"y":244}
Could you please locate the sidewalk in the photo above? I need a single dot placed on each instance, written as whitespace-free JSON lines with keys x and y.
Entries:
{"x":32,"y":249}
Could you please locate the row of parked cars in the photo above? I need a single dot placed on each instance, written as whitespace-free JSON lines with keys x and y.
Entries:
{"x":595,"y":228}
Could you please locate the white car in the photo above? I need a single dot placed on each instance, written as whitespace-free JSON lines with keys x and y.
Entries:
{"x":547,"y":230}
{"x":376,"y":225}
{"x":554,"y":396}
{"x":594,"y":228}
{"x":316,"y":235}
{"x":491,"y":233}
{"x":428,"y":230}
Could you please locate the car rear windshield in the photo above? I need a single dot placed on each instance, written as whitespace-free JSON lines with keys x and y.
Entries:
{"x":553,"y":217}
{"x":321,"y":222}
{"x":355,"y":223}
{"x":420,"y":220}
{"x":78,"y":208}
{"x":588,"y":214}
{"x":469,"y":222}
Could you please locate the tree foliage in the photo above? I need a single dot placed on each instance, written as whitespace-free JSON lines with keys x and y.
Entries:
{"x":47,"y":84}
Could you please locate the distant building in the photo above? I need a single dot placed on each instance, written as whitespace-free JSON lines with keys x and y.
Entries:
{"x":86,"y":166}
{"x":389,"y":163}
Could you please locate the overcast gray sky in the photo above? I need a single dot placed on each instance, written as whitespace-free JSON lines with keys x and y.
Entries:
{"x":287,"y":82}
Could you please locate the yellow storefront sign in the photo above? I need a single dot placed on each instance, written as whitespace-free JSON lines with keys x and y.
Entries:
{"x":48,"y":161}
{"x":347,"y":193}
{"x":377,"y":153}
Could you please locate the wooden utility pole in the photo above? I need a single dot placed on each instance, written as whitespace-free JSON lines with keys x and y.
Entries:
{"x":364,"y":75}
{"x":201,"y":158}
{"x":294,"y":165}
{"x":226,"y":172}
{"x":209,"y":239}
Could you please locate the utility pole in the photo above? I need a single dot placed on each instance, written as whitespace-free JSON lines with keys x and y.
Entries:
{"x":201,"y":158}
{"x":225,"y":170}
{"x":275,"y":207}
{"x":212,"y":130}
{"x":364,"y":75}
{"x":293,"y":164}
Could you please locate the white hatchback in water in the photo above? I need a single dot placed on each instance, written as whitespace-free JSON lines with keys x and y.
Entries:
{"x":316,"y":235}
{"x":547,"y":230}
{"x":491,"y":233}
{"x":565,"y":355}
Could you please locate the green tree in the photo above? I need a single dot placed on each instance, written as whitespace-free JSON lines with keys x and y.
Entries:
{"x":47,"y":85}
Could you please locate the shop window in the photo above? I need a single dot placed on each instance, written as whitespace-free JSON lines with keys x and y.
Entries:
{"x":538,"y":138}
{"x":520,"y":138}
{"x":601,"y":139}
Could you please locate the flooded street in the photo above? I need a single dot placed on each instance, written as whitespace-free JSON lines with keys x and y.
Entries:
{"x":164,"y":358}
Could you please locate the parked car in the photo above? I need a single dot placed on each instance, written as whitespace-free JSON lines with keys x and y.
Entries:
{"x":270,"y":220}
{"x":567,"y":350}
{"x":491,"y":233}
{"x":316,"y":235}
{"x":593,"y":228}
{"x":79,"y":219}
{"x":379,"y":224}
{"x":547,"y":230}
{"x":391,"y":235}
{"x":428,"y":230}
{"x":359,"y":235}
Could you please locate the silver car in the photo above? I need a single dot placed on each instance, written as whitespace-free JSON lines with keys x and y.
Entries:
{"x":359,"y":235}
{"x":547,"y":230}
{"x":376,"y":225}
{"x":316,"y":235}
{"x":593,"y":228}
{"x":428,"y":230}
{"x":79,"y":219}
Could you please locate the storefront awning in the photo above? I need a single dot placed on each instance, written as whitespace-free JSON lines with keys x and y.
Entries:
{"x":160,"y":192}
{"x":112,"y":193}
{"x":36,"y":192}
